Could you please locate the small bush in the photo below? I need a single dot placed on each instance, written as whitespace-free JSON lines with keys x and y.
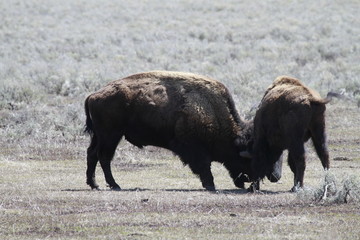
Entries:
{"x":332,"y":191}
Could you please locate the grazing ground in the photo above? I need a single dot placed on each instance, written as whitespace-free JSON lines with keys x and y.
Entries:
{"x":53,"y":55}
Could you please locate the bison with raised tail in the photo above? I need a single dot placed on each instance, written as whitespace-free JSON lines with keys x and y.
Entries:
{"x":289,"y":114}
{"x":191,"y":115}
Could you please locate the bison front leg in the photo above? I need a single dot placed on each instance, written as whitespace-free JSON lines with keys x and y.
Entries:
{"x":203,"y":170}
{"x":199,"y":162}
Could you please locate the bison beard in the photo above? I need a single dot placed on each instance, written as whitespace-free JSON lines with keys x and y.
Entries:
{"x":191,"y":115}
{"x":289,"y":114}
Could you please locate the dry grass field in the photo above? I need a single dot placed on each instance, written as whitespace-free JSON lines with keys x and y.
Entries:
{"x":52,"y":55}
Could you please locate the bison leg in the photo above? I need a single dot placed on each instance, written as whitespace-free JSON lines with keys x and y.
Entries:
{"x":296,"y":159}
{"x":91,"y":163}
{"x":198,"y":160}
{"x":106,"y":151}
{"x":318,"y":137}
{"x":205,"y":175}
{"x":201,"y":166}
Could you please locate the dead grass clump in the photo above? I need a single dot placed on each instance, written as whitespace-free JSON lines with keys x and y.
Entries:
{"x":332,"y":191}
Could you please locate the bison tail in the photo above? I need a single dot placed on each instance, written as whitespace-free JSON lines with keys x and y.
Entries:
{"x":322,"y":100}
{"x":88,"y":125}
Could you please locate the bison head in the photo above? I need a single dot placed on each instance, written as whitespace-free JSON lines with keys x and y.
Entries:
{"x":273,"y":172}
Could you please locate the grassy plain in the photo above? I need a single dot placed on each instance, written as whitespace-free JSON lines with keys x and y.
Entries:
{"x":52,"y":55}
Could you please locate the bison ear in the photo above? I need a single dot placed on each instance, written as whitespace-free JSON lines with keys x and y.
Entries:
{"x":245,"y":154}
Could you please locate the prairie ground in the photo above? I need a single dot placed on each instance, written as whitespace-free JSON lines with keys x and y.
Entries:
{"x":52,"y":55}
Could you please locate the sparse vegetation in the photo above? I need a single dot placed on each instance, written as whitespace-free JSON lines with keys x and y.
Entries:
{"x":330,"y":191}
{"x":53,"y":55}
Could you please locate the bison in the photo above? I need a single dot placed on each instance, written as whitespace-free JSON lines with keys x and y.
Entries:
{"x":289,"y":114}
{"x":191,"y":115}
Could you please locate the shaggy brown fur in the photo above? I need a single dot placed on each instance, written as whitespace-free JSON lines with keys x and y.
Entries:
{"x":191,"y":115}
{"x":289,"y":114}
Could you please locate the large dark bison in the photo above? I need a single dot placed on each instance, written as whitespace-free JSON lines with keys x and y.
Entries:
{"x":288,"y":115}
{"x":191,"y":115}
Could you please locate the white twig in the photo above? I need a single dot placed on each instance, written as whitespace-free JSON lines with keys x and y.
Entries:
{"x":325,"y":191}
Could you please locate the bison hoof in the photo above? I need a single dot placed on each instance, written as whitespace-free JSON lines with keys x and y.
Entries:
{"x":115,"y":188}
{"x":93,"y":186}
{"x":210,"y":188}
{"x":254,"y":187}
{"x":295,"y":189}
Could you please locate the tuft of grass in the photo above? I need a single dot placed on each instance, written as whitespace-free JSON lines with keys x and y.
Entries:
{"x":332,"y":190}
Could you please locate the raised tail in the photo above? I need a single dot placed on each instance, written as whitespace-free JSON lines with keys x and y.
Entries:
{"x":326,"y":100}
{"x":88,"y":125}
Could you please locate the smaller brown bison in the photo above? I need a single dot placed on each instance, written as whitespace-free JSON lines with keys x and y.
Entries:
{"x":191,"y":115}
{"x":288,"y":115}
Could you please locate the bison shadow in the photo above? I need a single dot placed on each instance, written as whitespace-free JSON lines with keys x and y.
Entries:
{"x":220,"y":191}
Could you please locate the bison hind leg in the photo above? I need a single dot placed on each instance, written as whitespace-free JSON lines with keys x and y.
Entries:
{"x":296,"y":160}
{"x":318,"y":137}
{"x":105,"y":150}
{"x":92,"y":160}
{"x":106,"y":153}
